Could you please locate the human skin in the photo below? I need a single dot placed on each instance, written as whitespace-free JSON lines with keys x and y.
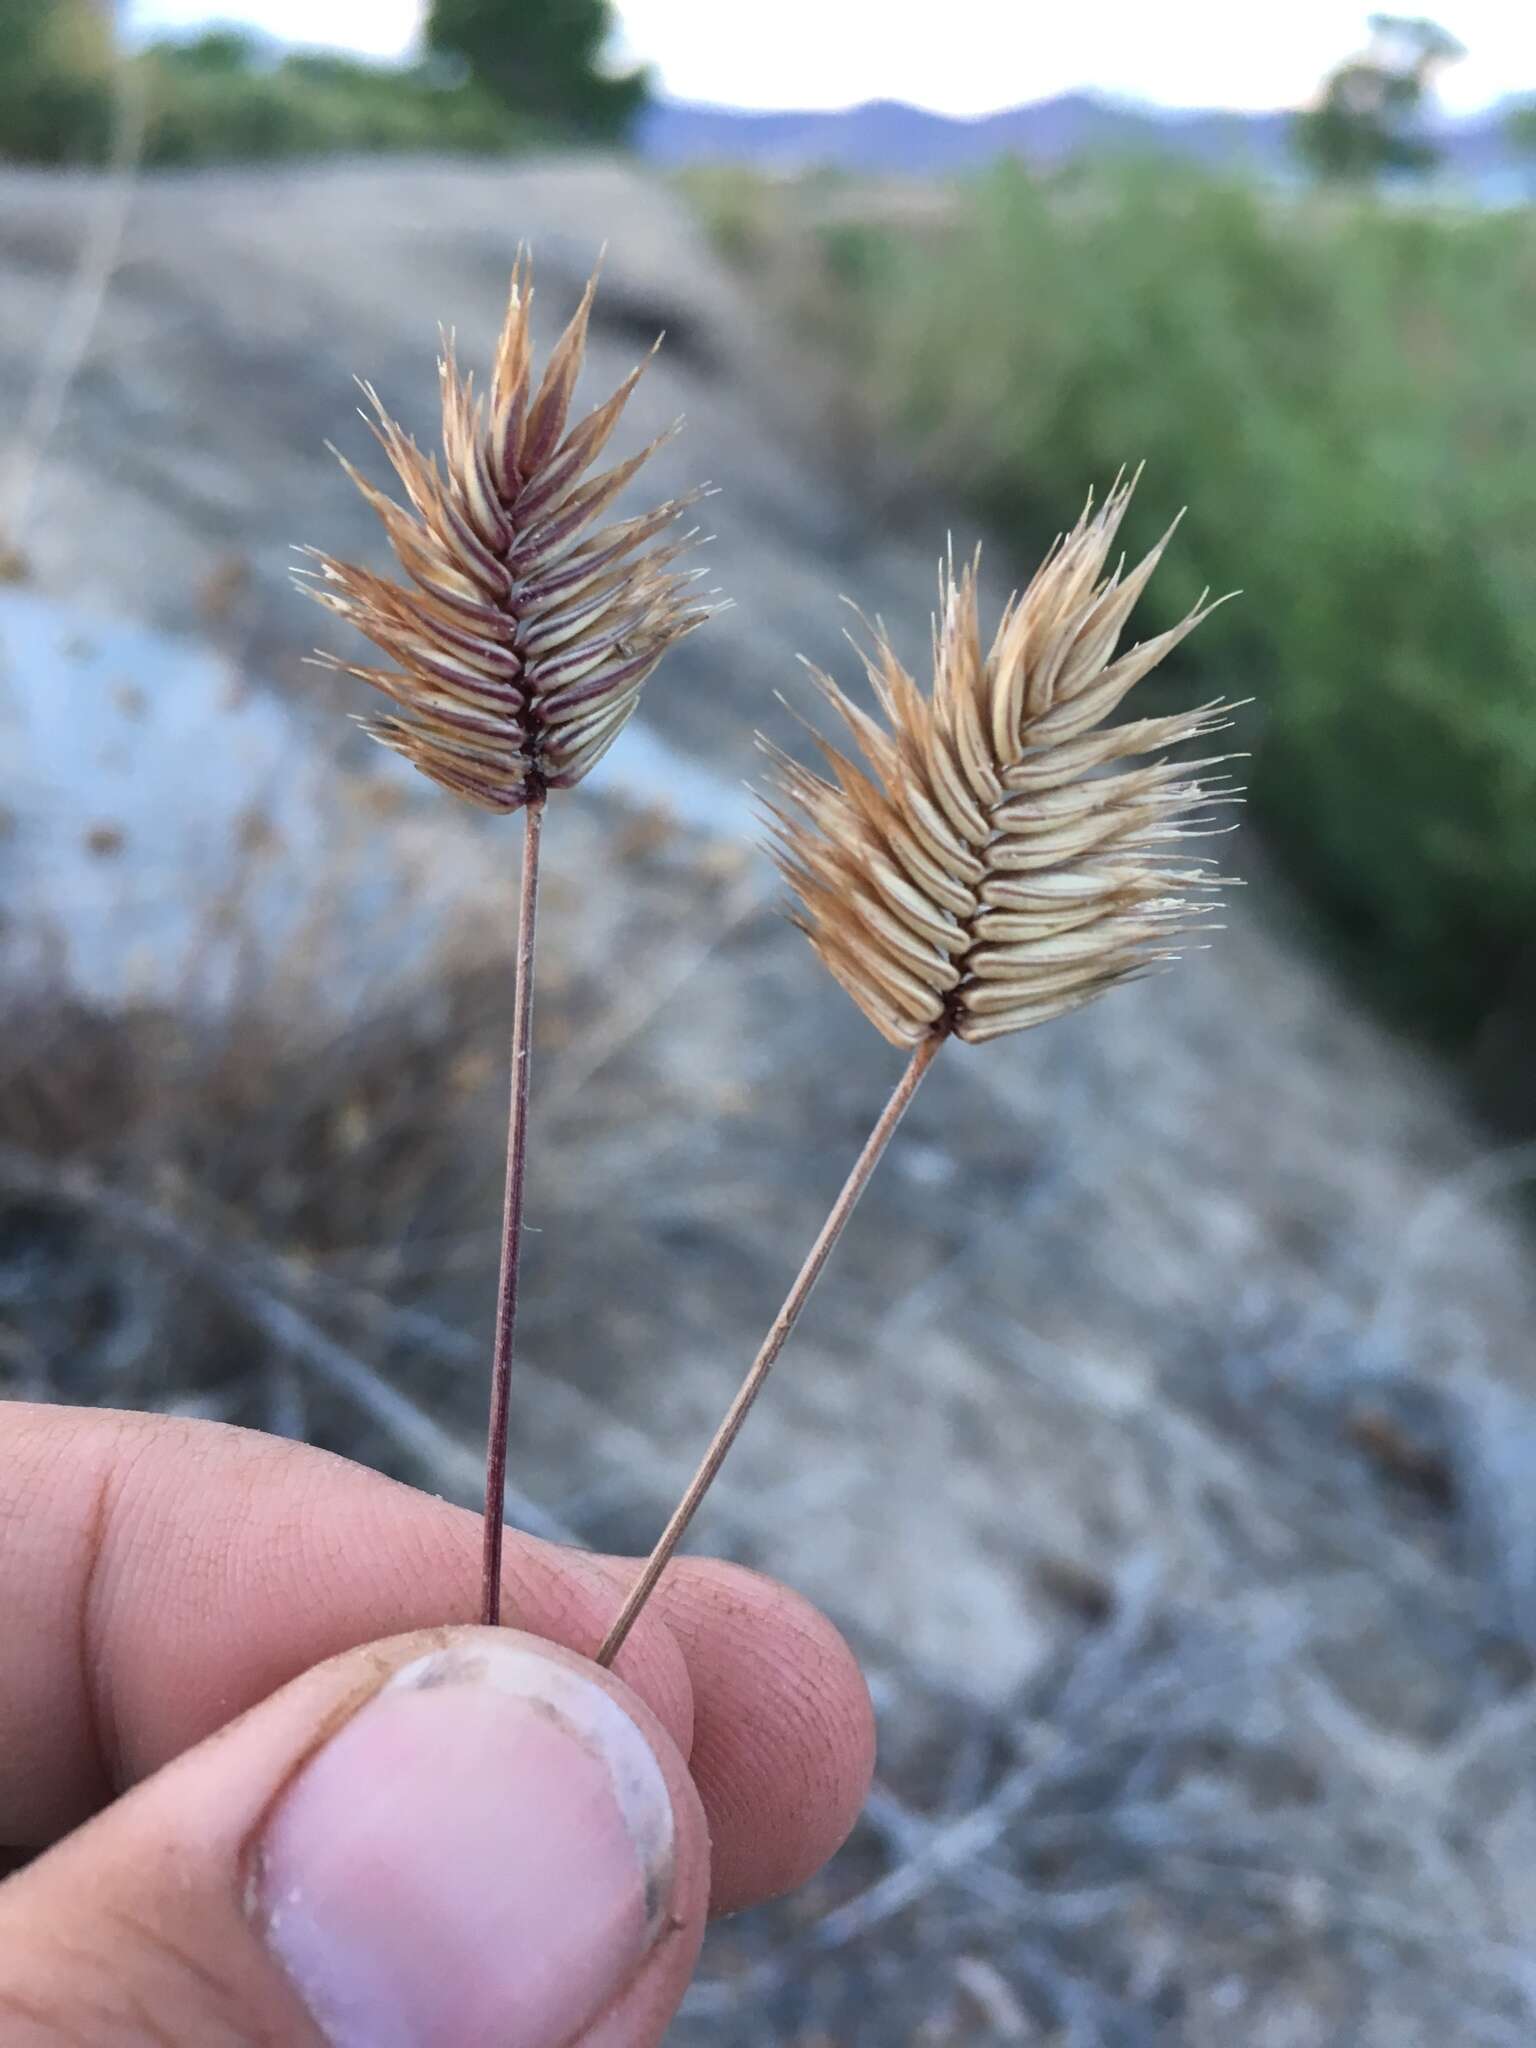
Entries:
{"x":160,"y":1579}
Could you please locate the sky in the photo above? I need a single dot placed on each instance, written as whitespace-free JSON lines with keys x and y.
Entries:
{"x":965,"y":57}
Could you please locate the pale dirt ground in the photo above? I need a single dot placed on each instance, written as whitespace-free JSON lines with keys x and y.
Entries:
{"x":1164,"y":1433}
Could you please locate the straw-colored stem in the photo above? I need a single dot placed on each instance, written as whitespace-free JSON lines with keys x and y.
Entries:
{"x":773,"y":1344}
{"x":512,"y":1218}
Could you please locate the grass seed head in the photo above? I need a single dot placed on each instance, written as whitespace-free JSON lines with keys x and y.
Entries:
{"x":978,"y":869}
{"x":520,"y":643}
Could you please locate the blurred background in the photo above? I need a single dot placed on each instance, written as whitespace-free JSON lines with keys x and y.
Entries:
{"x":1164,"y":1436}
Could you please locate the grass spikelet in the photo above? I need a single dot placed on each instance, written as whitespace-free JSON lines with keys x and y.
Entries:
{"x":997,"y":855}
{"x":522,"y":638}
{"x":518,"y":645}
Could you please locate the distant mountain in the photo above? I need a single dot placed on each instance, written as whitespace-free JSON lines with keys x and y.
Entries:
{"x":888,"y":137}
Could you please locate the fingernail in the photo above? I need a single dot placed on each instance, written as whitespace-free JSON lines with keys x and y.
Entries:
{"x":483,"y":1854}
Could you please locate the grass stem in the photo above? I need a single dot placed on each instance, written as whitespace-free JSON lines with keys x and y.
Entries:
{"x":512,"y":1218}
{"x":773,"y":1344}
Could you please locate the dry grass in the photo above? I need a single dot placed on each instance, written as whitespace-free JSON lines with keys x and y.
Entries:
{"x":242,"y":1130}
{"x":523,"y":640}
{"x":983,"y":875}
{"x":521,"y":645}
{"x":979,"y":874}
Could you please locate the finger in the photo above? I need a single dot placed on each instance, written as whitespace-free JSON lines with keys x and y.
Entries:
{"x":457,"y":1839}
{"x":165,"y":1575}
{"x":782,"y":1727}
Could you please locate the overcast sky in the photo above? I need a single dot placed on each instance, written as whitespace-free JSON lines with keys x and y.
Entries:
{"x":962,"y":56}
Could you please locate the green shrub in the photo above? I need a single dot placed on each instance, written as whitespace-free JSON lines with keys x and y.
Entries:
{"x":206,"y":107}
{"x":1345,"y":397}
{"x":222,"y":98}
{"x":55,"y":82}
{"x":217,"y":99}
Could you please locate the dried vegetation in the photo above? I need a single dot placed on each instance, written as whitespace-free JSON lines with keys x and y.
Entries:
{"x":523,"y":641}
{"x":979,"y":873}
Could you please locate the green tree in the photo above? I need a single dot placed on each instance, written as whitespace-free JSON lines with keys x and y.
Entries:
{"x":541,"y":58}
{"x":224,"y":52}
{"x":55,"y":80}
{"x":1370,"y":119}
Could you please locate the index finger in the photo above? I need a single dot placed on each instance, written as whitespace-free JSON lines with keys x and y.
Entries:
{"x":157,"y":1577}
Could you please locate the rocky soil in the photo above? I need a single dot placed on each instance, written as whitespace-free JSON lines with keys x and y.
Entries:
{"x":1164,"y":1434}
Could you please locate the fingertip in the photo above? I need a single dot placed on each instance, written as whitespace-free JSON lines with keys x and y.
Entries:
{"x":503,"y":1843}
{"x":784,"y":1730}
{"x":441,"y":1836}
{"x":573,"y":1605}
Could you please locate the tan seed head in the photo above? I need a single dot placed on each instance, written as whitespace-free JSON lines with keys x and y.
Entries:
{"x":979,"y":871}
{"x":522,"y":640}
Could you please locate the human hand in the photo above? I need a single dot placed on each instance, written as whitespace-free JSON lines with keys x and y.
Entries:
{"x":438,"y":1838}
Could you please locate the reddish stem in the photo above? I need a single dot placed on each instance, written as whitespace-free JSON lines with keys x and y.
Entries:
{"x":512,"y":1218}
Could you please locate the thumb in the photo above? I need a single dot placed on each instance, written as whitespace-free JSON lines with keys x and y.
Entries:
{"x":464,"y":1839}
